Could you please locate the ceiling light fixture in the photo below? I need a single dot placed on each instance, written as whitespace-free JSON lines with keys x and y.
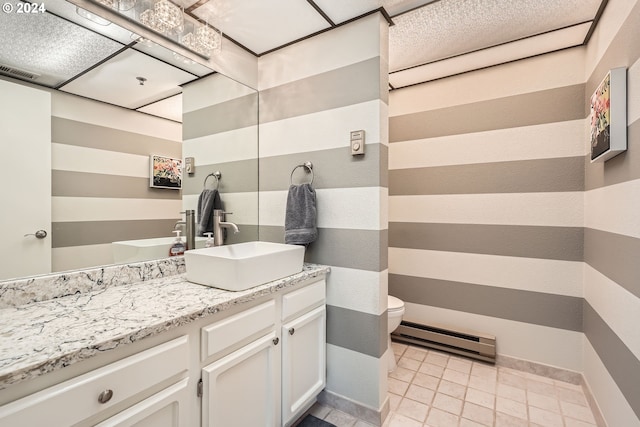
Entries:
{"x":141,"y":80}
{"x":91,"y":17}
{"x":170,"y":21}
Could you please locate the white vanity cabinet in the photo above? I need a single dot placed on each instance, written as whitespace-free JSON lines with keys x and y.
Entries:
{"x":128,"y":386}
{"x":268,"y":362}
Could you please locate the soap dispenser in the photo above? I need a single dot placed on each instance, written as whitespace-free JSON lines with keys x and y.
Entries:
{"x":178,"y":246}
{"x":210,"y":242}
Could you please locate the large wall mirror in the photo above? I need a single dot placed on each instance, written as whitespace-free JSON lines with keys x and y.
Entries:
{"x":85,"y":104}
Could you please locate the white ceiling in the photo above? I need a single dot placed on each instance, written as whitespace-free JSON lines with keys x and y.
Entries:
{"x":428,"y":39}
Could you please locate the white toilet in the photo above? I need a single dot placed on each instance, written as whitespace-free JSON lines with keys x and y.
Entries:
{"x":395,"y":310}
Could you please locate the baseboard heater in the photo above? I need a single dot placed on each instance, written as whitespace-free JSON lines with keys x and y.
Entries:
{"x":477,"y":346}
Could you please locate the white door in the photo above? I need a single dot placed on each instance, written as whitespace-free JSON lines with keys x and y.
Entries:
{"x":25,"y":150}
{"x":243,"y":388}
{"x":303,"y":362}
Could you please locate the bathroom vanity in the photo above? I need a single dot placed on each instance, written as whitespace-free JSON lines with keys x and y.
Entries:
{"x":162,"y":351}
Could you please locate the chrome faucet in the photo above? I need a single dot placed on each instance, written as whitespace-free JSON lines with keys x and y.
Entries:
{"x":219,"y":224}
{"x":188,"y":227}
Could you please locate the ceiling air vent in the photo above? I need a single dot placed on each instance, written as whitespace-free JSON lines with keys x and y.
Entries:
{"x":16,"y":72}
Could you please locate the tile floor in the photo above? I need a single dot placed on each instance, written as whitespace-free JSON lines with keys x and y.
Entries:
{"x":435,"y":389}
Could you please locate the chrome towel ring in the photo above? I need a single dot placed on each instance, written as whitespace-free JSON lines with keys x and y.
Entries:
{"x":308,"y":166}
{"x":217,"y":175}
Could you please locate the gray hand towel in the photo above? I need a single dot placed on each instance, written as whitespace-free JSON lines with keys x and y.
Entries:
{"x":300,"y":220}
{"x":207,"y":202}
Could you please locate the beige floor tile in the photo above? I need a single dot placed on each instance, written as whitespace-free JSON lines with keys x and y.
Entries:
{"x":468,"y":423}
{"x":570,"y":422}
{"x":398,"y":348}
{"x":579,"y":412}
{"x":420,"y":394}
{"x":479,"y":414}
{"x":415,"y":353}
{"x":410,"y":364}
{"x":394,"y":401}
{"x":361,"y":423}
{"x":397,"y":420}
{"x":545,"y":418}
{"x":427,"y":381}
{"x":506,"y":420}
{"x":571,"y":396}
{"x":511,"y":379}
{"x":481,"y":398}
{"x":510,"y":392}
{"x":482,"y":383}
{"x":320,"y":411}
{"x":438,"y":418}
{"x":511,"y":407}
{"x":452,"y":389}
{"x":431,"y":369}
{"x":543,"y":401}
{"x":402,"y":374}
{"x":412,"y":409}
{"x":447,"y":403}
{"x":397,"y":387}
{"x":484,"y":371}
{"x":436,"y":358}
{"x":455,"y":377}
{"x":460,"y":365}
{"x":541,"y":387}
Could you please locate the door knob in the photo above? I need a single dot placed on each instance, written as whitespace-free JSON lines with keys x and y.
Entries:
{"x":40,"y":234}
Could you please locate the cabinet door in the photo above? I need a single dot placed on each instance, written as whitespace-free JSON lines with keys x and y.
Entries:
{"x":242,"y":389}
{"x":303,"y":362}
{"x":168,"y":408}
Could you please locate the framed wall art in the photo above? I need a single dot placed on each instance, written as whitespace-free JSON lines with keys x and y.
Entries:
{"x":166,"y":172}
{"x":609,"y":116}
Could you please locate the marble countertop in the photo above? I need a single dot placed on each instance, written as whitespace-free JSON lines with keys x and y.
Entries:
{"x":44,"y":336}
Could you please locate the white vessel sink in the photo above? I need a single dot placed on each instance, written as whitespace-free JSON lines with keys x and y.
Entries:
{"x":243,"y":265}
{"x":146,"y":249}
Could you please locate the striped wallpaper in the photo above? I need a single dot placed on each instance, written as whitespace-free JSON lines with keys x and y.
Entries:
{"x":220,"y":130}
{"x":499,"y":223}
{"x":312,"y":94}
{"x":100,"y":179}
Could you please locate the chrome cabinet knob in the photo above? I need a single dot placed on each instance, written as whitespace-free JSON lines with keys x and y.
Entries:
{"x":105,"y":396}
{"x":40,"y":234}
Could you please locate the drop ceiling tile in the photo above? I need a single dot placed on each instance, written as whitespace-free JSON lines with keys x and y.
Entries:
{"x":525,"y":48}
{"x":54,"y":48}
{"x":447,"y":28}
{"x":115,"y":80}
{"x":262,"y":25}
{"x":169,"y":108}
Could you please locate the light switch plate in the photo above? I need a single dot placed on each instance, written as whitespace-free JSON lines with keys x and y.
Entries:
{"x":357,"y":142}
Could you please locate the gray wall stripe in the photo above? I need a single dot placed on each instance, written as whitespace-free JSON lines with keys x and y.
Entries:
{"x":523,"y":176}
{"x":334,"y":168}
{"x":354,"y":330}
{"x":229,"y":115}
{"x":237,"y":177}
{"x":81,"y":184}
{"x":561,"y":243}
{"x":621,"y":363}
{"x":614,"y":255}
{"x":349,"y":248}
{"x":547,"y":106}
{"x":556,"y":311}
{"x":344,"y":86}
{"x":71,"y":132}
{"x":81,"y":233}
{"x":622,"y":168}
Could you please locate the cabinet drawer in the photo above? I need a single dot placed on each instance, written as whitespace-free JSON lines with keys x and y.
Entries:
{"x":237,"y":329}
{"x":77,"y":399}
{"x":297,"y":302}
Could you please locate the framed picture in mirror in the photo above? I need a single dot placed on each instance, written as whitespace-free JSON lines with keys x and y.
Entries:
{"x":165,"y":172}
{"x":608,"y":106}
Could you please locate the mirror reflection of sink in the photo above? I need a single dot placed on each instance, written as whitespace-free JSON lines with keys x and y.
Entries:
{"x":146,"y":249}
{"x":243,"y":265}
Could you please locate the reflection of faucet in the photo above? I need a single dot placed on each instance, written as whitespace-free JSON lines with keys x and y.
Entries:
{"x":188,"y":227}
{"x":219,"y":224}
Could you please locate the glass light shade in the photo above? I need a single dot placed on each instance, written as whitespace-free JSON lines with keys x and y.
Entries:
{"x":149,"y":19}
{"x":208,"y":37}
{"x":168,"y":14}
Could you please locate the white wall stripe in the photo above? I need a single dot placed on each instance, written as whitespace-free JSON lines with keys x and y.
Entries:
{"x":313,"y":134}
{"x":306,"y":59}
{"x":243,"y":205}
{"x":545,"y":209}
{"x":612,"y":403}
{"x":515,"y":339}
{"x":527,"y":274}
{"x":69,"y":209}
{"x":614,"y":208}
{"x":633,"y":89}
{"x":551,"y":140}
{"x":77,"y":257}
{"x":91,"y":160}
{"x":84,"y":110}
{"x":615,"y":305}
{"x":358,"y":290}
{"x":212,"y":90}
{"x":362,"y":208}
{"x":234,"y":145}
